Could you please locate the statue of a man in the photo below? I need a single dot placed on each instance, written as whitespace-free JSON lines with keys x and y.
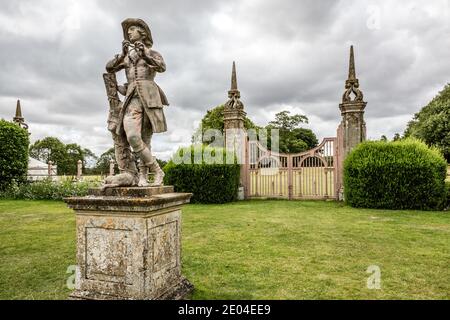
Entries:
{"x":141,"y":113}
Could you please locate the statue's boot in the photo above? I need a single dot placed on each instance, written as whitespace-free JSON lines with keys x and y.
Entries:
{"x":146,"y":157}
{"x":158,"y":177}
{"x":143,"y":177}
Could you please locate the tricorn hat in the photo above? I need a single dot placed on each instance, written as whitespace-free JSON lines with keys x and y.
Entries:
{"x":126,"y":24}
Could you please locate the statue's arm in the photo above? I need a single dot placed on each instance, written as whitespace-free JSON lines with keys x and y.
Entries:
{"x":116,"y":64}
{"x":155,"y":60}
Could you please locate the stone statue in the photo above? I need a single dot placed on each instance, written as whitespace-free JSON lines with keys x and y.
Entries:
{"x":133,"y":121}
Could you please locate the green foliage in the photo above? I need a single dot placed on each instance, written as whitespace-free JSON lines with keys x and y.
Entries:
{"x":432,"y":123}
{"x":283,"y":120}
{"x":45,"y":190}
{"x":161,"y":163}
{"x":293,"y":139}
{"x":103,"y":162}
{"x":64,"y":156}
{"x":50,"y":149}
{"x":210,"y":182}
{"x":396,"y":175}
{"x":214,"y":119}
{"x":14,"y":142}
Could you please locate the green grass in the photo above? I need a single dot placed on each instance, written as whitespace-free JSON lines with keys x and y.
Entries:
{"x":252,"y":250}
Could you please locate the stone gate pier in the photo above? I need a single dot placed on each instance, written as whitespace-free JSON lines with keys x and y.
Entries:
{"x":129,"y":244}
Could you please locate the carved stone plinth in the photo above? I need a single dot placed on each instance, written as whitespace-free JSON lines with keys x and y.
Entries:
{"x":129,"y":244}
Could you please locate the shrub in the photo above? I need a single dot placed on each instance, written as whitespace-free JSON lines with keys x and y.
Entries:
{"x":209,"y":182}
{"x":398,"y":175}
{"x":14,"y":142}
{"x":45,"y":190}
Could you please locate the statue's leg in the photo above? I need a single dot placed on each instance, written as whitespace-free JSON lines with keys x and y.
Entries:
{"x":147,"y":132}
{"x":132,"y":124}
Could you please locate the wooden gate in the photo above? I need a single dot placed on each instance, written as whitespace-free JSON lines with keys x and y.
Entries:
{"x":306,"y":175}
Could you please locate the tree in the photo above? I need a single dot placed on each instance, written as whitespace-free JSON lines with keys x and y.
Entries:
{"x":397,"y":137}
{"x":90,"y":158}
{"x":214,"y":119}
{"x":14,"y":142}
{"x":384,"y":138}
{"x":103,"y":162}
{"x":293,"y":138}
{"x":51,"y":149}
{"x":74,"y":153}
{"x":66,"y":157}
{"x":284,"y":121}
{"x":432,"y":123}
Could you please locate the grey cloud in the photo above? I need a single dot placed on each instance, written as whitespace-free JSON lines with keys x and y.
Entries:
{"x":290,"y":54}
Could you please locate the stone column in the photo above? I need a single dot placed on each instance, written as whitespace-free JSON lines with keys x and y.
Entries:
{"x":234,"y":128}
{"x":129,"y":244}
{"x":50,"y":168}
{"x":352,"y":130}
{"x":79,"y":169}
{"x":111,"y":167}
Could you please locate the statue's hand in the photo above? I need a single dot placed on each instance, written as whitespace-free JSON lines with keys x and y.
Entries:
{"x":125,"y":46}
{"x":140,"y":48}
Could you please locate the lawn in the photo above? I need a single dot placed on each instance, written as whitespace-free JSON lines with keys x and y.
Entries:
{"x":252,"y":250}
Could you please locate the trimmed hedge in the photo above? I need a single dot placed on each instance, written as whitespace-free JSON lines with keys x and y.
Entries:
{"x":210,"y":183}
{"x":397,"y":175}
{"x":14,"y":142}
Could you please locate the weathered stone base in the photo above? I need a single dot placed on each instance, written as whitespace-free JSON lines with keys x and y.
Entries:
{"x":129,"y":244}
{"x":182,"y":291}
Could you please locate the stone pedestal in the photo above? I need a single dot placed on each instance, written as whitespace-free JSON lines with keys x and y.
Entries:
{"x":129,"y":244}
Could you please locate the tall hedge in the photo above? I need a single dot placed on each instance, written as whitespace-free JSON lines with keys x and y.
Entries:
{"x":14,"y":142}
{"x":397,"y":175}
{"x":210,"y":183}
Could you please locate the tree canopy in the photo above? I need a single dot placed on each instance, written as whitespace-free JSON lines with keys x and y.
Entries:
{"x":64,"y":156}
{"x":432,"y":123}
{"x":293,"y":138}
{"x":103,"y":162}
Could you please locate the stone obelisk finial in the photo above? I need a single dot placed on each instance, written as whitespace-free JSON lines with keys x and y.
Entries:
{"x":234,"y":94}
{"x":19,"y":119}
{"x":234,"y":77}
{"x":352,"y":83}
{"x":352,"y":70}
{"x":18,"y":116}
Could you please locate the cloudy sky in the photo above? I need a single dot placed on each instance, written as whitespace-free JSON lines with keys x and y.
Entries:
{"x":290,"y":55}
